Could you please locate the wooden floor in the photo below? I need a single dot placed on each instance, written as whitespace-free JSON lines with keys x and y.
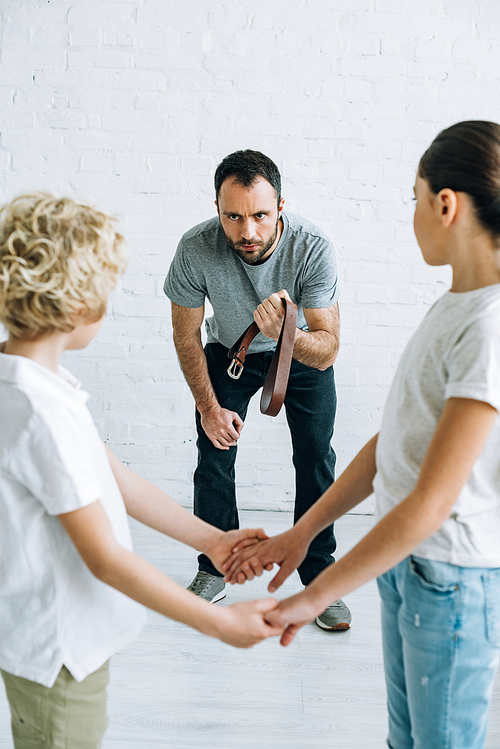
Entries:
{"x":176,"y":688}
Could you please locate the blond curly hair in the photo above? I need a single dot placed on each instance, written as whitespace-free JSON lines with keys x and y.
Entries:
{"x":58,"y":258}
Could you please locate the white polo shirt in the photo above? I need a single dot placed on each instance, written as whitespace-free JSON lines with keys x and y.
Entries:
{"x":53,"y":611}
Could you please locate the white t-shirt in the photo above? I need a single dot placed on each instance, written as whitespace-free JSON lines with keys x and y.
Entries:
{"x":454,"y":353}
{"x":53,"y":611}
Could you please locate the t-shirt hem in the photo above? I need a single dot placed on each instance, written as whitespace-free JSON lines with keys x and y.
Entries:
{"x":458,"y":560}
{"x":183,"y":301}
{"x":472,"y":391}
{"x":85,"y":498}
{"x":104,"y":654}
{"x":433,"y":551}
{"x":320,"y":303}
{"x":47,"y":678}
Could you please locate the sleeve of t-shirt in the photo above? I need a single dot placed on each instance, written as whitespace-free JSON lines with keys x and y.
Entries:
{"x":182,"y":284}
{"x":319,"y":286}
{"x":474,"y":364}
{"x":53,"y":461}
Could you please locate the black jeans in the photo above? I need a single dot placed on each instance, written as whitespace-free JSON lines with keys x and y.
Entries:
{"x":310,"y":405}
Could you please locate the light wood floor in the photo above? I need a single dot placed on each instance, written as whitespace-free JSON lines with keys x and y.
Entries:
{"x":176,"y":688}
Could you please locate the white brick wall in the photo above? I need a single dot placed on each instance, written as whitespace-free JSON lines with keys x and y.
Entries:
{"x":132,"y":104}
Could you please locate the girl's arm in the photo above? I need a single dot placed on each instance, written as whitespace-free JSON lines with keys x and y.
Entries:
{"x":290,"y":548}
{"x":150,"y":505}
{"x":457,"y":443}
{"x":241,"y":625}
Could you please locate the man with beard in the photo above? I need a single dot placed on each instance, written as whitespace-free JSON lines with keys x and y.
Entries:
{"x":244,"y":261}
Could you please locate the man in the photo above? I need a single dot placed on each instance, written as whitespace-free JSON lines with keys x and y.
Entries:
{"x":244,"y":261}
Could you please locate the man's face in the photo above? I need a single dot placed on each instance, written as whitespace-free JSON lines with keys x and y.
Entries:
{"x":249,"y":217}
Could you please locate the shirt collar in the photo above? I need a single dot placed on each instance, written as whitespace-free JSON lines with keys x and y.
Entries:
{"x":28,"y":374}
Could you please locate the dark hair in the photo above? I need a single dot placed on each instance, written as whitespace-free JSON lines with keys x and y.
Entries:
{"x":246,"y":167}
{"x":466,"y":158}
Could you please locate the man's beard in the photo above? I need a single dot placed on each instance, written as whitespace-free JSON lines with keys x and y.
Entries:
{"x":255,"y":257}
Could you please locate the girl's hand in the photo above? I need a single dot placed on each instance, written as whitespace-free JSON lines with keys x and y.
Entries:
{"x":287,"y":549}
{"x":243,"y":624}
{"x":223,"y":547}
{"x":292,"y":613}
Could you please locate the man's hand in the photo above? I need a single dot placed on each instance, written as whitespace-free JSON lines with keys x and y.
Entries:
{"x":244,"y":624}
{"x":269,"y":315}
{"x":222,"y":427}
{"x":223,"y":547}
{"x":287,"y":549}
{"x":292,"y":613}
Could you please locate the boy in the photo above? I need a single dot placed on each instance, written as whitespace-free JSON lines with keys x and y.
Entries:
{"x":68,"y":570}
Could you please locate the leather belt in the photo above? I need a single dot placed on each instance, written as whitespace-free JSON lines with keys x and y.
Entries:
{"x":273,"y":392}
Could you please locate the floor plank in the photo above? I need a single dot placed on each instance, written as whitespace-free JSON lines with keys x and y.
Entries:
{"x":178,"y":689}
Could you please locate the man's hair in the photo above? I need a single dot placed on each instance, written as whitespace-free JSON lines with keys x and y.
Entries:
{"x":58,"y":258}
{"x":246,"y":167}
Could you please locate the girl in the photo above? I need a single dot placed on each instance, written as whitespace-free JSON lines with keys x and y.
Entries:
{"x":435,"y":470}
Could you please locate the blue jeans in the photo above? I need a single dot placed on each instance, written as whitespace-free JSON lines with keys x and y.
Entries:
{"x":310,"y":405}
{"x":441,"y":641}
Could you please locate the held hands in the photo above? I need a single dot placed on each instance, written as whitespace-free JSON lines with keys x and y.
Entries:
{"x":223,"y":547}
{"x":292,"y":613}
{"x":251,"y":552}
{"x":287,"y":549}
{"x":269,"y":314}
{"x":245,"y":624}
{"x":222,"y":427}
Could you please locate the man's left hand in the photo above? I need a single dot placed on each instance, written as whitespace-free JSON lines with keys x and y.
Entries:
{"x":269,"y":314}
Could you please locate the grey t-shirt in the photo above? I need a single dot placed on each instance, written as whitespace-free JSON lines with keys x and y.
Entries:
{"x":204,"y":265}
{"x":455,"y":353}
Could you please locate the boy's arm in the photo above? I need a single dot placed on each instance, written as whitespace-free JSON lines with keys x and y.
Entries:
{"x":241,"y":625}
{"x":150,"y":505}
{"x":289,"y":549}
{"x":457,"y":443}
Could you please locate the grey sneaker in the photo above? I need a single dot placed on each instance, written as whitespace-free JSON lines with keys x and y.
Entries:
{"x":337,"y":616}
{"x":207,"y":586}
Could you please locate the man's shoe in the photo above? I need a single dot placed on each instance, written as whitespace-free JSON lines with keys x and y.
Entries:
{"x":207,"y":586}
{"x":337,"y":616}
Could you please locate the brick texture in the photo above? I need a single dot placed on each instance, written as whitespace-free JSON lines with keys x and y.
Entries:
{"x":131,"y":104}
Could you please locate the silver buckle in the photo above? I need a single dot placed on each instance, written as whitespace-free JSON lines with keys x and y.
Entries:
{"x":235,"y":369}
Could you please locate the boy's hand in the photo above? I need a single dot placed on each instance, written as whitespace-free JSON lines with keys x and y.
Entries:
{"x":223,"y":547}
{"x":243,"y":624}
{"x":292,"y":613}
{"x":287,"y":549}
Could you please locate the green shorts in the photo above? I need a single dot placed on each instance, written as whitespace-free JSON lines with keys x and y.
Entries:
{"x":69,"y":714}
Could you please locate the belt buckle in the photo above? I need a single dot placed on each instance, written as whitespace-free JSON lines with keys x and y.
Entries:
{"x":235,"y":369}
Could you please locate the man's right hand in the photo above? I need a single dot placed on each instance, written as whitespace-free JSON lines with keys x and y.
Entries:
{"x":222,"y":427}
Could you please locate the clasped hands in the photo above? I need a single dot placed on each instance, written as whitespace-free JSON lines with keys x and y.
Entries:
{"x":244,"y":554}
